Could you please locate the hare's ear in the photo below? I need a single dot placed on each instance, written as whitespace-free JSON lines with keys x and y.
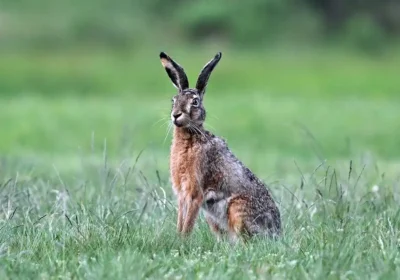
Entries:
{"x":206,"y":72}
{"x":175,"y":72}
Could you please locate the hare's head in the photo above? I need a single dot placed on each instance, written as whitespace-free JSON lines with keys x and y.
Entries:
{"x":187,"y":105}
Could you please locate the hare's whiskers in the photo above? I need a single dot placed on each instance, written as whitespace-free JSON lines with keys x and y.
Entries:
{"x":168,"y":131}
{"x":209,"y":125}
{"x":160,"y":120}
{"x":166,"y":122}
{"x":192,"y":125}
{"x":213,"y":116}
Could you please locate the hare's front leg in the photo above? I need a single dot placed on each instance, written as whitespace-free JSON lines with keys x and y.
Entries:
{"x":193,"y":203}
{"x":181,"y":213}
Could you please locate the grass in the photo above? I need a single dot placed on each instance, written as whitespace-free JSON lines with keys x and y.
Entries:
{"x":84,"y":188}
{"x":118,"y":221}
{"x":290,"y":72}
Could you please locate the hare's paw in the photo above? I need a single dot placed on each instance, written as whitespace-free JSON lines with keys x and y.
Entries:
{"x":218,"y":231}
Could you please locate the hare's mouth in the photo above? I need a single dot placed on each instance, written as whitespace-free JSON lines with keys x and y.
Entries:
{"x":178,"y":123}
{"x":180,"y":120}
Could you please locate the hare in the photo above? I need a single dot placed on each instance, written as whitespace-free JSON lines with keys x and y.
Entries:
{"x":206,"y":175}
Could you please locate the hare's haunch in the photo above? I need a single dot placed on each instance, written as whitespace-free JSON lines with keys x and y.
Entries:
{"x":204,"y":172}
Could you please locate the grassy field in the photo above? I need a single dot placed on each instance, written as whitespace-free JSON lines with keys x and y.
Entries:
{"x":84,"y":187}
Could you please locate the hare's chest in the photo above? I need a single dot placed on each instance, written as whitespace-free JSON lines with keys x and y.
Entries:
{"x":184,"y":169}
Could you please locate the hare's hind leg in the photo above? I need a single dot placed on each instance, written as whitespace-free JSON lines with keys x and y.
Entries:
{"x":236,"y":220}
{"x":246,"y":218}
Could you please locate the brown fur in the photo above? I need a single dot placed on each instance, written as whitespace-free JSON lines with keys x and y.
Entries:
{"x":184,"y":166}
{"x":237,"y":214}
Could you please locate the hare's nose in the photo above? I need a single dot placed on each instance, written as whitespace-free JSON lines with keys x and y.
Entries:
{"x":177,"y":115}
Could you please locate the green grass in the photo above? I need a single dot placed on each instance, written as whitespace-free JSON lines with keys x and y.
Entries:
{"x":84,"y":188}
{"x":290,"y":72}
{"x":118,"y":221}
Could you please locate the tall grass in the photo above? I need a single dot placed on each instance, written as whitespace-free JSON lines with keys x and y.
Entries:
{"x":117,"y":220}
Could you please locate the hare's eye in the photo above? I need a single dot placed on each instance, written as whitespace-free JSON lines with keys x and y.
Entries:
{"x":195,"y":102}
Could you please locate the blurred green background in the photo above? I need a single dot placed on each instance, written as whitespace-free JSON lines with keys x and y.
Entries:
{"x":301,"y":80}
